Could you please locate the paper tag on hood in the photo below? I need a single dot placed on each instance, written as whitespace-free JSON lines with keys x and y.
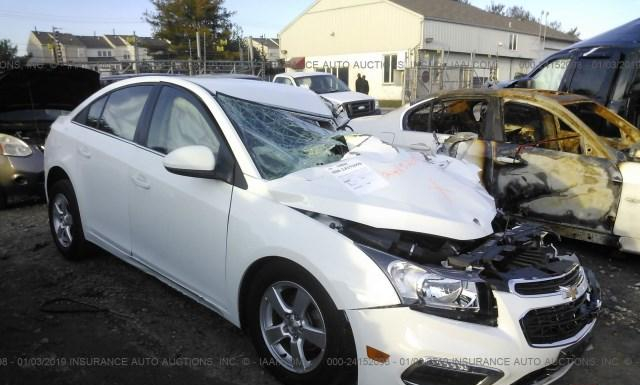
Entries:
{"x":356,"y":176}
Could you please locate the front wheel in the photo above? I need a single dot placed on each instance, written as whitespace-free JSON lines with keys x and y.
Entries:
{"x":298,"y":332}
{"x":64,"y":221}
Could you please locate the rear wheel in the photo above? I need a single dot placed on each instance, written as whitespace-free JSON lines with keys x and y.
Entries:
{"x":297,"y":330}
{"x":64,"y":221}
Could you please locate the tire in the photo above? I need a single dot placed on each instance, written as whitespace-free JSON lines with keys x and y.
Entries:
{"x":64,"y":221}
{"x":333,"y":365}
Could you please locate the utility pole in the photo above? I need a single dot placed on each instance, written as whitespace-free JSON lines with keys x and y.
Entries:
{"x":204,"y":47}
{"x":199,"y":57}
{"x":135,"y":51}
{"x":250,"y":54}
{"x":544,"y":38}
{"x":190,"y":58}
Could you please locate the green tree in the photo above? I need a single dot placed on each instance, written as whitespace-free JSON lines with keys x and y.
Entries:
{"x":7,"y":50}
{"x":178,"y":21}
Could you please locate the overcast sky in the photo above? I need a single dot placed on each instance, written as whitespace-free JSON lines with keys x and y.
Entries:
{"x":258,"y":17}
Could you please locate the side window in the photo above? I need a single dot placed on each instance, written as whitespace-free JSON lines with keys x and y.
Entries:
{"x":464,"y":115}
{"x":550,"y":76}
{"x":284,"y":81}
{"x":523,"y":124}
{"x":588,"y":113}
{"x":179,"y":120}
{"x":593,"y":78}
{"x":90,"y":116}
{"x":418,"y":119}
{"x":123,"y":109}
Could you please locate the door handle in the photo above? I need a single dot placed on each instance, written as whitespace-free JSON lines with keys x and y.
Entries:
{"x":84,"y":151}
{"x":141,"y":181}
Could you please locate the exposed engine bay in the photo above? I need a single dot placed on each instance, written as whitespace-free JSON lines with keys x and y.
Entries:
{"x":524,"y":251}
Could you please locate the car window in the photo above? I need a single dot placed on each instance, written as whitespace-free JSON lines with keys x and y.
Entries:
{"x":550,"y":76}
{"x":179,"y":120}
{"x":523,"y":124}
{"x":588,"y":113}
{"x":418,"y":119}
{"x":283,"y":80}
{"x":90,"y":116}
{"x":593,"y":78}
{"x":462,"y":115}
{"x":123,"y":110}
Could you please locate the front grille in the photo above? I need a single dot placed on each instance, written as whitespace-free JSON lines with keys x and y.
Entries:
{"x":360,"y":108}
{"x":557,"y":323}
{"x":548,"y":286}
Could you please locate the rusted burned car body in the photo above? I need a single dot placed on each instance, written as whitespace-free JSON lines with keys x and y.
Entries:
{"x":539,"y":157}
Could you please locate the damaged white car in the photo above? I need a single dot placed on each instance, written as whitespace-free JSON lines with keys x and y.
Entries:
{"x":345,"y":259}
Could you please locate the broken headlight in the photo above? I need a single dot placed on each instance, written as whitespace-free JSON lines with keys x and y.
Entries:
{"x":444,"y":292}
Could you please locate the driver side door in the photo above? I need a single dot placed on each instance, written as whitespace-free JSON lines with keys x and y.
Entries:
{"x":542,"y":170}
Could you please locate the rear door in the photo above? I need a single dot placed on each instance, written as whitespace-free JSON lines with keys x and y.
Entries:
{"x":105,"y":150}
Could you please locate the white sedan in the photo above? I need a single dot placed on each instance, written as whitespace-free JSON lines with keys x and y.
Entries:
{"x":346,"y":260}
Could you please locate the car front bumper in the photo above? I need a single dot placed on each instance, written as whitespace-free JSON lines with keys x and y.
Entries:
{"x":422,"y":348}
{"x":22,"y":177}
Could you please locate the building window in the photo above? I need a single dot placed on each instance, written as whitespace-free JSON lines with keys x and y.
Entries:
{"x":513,"y":42}
{"x":109,"y":53}
{"x":99,"y":53}
{"x":390,"y":64}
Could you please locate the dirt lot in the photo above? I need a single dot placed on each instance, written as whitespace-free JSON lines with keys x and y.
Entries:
{"x":141,"y":331}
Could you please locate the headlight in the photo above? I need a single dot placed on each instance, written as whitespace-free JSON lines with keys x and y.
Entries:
{"x":421,"y":286}
{"x":12,"y":146}
{"x":456,"y":294}
{"x":377,"y":104}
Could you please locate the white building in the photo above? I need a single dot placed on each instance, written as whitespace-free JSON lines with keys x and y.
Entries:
{"x":398,"y":43}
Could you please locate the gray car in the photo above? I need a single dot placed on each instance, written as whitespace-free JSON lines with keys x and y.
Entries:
{"x":31,"y":98}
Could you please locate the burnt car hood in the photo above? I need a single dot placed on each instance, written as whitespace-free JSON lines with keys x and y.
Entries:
{"x":381,"y":186}
{"x":46,"y":87}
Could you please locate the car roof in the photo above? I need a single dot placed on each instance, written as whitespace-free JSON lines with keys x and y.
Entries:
{"x":304,"y":74}
{"x":522,"y":93}
{"x":277,"y":95}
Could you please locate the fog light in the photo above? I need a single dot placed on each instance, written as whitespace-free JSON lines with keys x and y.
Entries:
{"x":441,"y":372}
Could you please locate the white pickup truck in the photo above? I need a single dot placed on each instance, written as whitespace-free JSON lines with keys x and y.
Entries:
{"x":334,"y":90}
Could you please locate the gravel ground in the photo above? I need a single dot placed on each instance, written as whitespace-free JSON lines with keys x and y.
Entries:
{"x":141,"y":331}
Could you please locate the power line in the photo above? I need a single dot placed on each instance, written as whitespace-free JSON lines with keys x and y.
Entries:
{"x":68,"y":19}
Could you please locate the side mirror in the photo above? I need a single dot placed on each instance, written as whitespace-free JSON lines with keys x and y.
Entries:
{"x":524,"y":83}
{"x":457,"y":145}
{"x":193,"y":161}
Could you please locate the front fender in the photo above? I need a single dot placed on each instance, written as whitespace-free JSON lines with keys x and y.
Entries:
{"x":261,"y":227}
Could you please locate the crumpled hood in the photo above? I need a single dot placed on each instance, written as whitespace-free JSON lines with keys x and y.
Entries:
{"x":345,"y":97}
{"x":384,"y":187}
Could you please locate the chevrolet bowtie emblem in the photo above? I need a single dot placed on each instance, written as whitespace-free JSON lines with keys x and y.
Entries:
{"x":569,"y":292}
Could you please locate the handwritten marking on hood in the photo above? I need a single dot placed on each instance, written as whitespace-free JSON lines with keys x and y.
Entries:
{"x":356,"y":176}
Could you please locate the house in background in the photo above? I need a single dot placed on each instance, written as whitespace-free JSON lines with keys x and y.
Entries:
{"x":417,"y":45}
{"x":268,"y":48}
{"x":105,"y":51}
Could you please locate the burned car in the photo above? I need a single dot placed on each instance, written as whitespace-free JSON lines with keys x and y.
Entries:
{"x":318,"y":243}
{"x":31,"y":98}
{"x":539,"y":155}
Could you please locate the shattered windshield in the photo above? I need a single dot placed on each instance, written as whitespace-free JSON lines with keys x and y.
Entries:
{"x":322,"y":84}
{"x":278,"y":141}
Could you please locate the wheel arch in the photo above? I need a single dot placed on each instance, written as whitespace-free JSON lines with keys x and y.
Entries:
{"x":56,"y":174}
{"x":248,"y":278}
